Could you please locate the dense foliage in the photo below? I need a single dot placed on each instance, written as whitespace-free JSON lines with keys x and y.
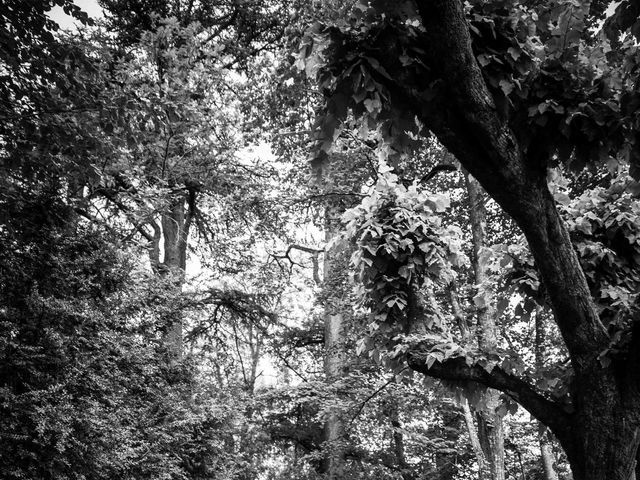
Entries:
{"x":184,"y":295}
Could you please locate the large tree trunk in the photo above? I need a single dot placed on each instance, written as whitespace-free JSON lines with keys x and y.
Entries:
{"x":490,"y":427}
{"x":600,"y":433}
{"x":604,"y":447}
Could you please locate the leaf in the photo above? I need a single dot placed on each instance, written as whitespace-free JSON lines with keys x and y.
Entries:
{"x":501,"y":306}
{"x":430,"y":361}
{"x":405,"y":272}
{"x":372,"y":105}
{"x":484,"y":60}
{"x":375,"y":64}
{"x":480,"y":300}
{"x":562,"y":198}
{"x":604,"y":358}
{"x":438,"y":203}
{"x":514,"y":52}
{"x":634,"y":187}
{"x":425,"y":246}
{"x":506,"y":86}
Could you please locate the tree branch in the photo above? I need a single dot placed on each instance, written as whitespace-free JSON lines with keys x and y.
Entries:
{"x":375,"y":392}
{"x":436,"y":170}
{"x":313,"y":251}
{"x":112,"y":197}
{"x":547,"y":411}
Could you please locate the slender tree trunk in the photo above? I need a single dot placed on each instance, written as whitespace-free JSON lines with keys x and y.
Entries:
{"x":398,"y":440}
{"x":490,"y":427}
{"x":334,"y":426}
{"x":483,"y":467}
{"x":546,"y":453}
{"x":334,"y":361}
{"x":174,"y":267}
{"x":484,"y":470}
{"x":255,"y":340}
{"x":458,"y":314}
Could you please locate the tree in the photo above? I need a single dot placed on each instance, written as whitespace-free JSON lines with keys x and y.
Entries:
{"x":165,"y":110}
{"x":511,"y":92}
{"x":86,"y":389}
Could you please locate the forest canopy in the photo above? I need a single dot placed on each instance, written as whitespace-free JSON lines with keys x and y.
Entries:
{"x":320,"y":240}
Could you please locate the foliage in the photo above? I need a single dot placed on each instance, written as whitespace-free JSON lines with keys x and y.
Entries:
{"x":550,"y":76}
{"x":84,"y":392}
{"x":401,"y":247}
{"x":200,"y":113}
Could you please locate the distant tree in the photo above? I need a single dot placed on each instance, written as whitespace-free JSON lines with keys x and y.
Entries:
{"x":86,"y":389}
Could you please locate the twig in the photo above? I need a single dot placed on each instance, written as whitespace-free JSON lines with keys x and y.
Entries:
{"x":437,"y":169}
{"x":362,"y":405}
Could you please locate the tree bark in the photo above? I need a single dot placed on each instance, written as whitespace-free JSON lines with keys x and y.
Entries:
{"x":334,"y":426}
{"x":334,"y":342}
{"x":483,"y":467}
{"x":459,"y":316}
{"x":546,"y":454}
{"x":174,"y":264}
{"x":175,"y":226}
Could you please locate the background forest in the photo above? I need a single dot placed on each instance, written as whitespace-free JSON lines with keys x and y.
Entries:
{"x":319,"y":240}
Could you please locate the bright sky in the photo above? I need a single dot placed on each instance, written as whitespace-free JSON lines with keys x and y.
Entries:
{"x":66,"y":22}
